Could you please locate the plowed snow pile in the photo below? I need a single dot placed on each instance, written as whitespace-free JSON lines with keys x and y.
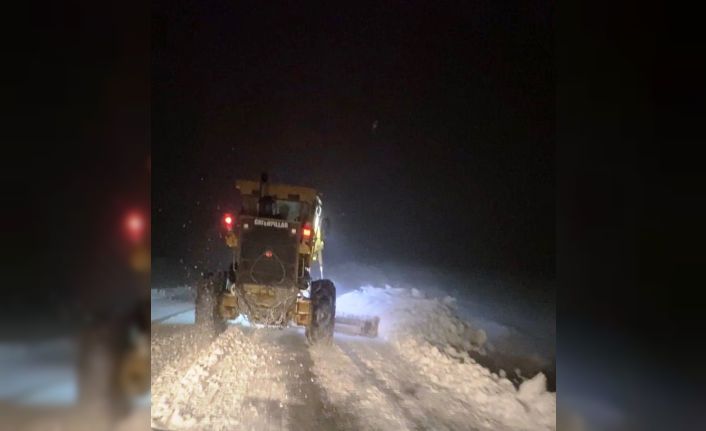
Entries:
{"x":408,"y":313}
{"x":431,"y":347}
{"x":223,"y":389}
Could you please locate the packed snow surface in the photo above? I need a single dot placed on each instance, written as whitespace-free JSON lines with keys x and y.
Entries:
{"x":416,"y":375}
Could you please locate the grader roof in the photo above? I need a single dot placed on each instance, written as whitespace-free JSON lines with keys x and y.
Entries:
{"x":279,"y":191}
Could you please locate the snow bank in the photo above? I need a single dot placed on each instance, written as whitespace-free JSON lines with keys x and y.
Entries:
{"x":38,"y":373}
{"x":495,"y":401}
{"x":406,"y":313}
{"x":201,"y":393}
{"x":236,"y":382}
{"x":173,"y":293}
{"x":173,"y":305}
{"x":432,"y":343}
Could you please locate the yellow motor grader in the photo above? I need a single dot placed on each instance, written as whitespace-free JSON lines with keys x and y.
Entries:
{"x":276,"y":237}
{"x":113,"y":361}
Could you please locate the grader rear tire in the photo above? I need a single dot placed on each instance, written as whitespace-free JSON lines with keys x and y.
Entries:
{"x":323,"y":313}
{"x":207,"y":295}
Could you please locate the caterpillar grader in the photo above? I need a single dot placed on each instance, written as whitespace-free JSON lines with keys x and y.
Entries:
{"x":113,"y":361}
{"x":276,"y":237}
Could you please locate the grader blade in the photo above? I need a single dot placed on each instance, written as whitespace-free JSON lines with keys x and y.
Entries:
{"x":365,"y":326}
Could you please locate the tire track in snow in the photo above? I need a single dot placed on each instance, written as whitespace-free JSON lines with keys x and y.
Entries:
{"x":380,"y":384}
{"x":308,"y":406}
{"x":365,"y":406}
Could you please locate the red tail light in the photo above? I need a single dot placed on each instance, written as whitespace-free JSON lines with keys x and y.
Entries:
{"x":228,"y":221}
{"x":135,"y":225}
{"x":306,"y":232}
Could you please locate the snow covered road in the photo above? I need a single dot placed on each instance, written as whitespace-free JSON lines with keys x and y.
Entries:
{"x":416,"y":376}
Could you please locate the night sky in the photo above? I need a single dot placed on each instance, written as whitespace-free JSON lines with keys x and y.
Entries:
{"x":429,"y":129}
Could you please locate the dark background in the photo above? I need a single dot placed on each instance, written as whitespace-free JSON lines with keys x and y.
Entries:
{"x":75,"y":159}
{"x":429,"y":129}
{"x":630,"y":200}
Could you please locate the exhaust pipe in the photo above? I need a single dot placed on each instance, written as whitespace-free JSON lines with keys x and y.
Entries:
{"x":263,"y":182}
